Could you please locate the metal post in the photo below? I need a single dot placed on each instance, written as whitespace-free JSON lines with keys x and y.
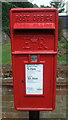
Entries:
{"x":33,"y":115}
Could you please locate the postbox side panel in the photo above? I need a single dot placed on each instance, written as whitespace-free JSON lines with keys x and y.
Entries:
{"x":23,"y":102}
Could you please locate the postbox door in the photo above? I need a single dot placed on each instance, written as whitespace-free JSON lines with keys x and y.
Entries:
{"x":32,"y":100}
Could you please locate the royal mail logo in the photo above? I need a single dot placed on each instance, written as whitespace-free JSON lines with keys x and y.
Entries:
{"x":33,"y":41}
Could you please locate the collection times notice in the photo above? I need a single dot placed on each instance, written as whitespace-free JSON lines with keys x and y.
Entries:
{"x":34,"y":79}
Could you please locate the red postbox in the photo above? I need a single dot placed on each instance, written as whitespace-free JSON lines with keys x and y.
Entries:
{"x":34,"y":36}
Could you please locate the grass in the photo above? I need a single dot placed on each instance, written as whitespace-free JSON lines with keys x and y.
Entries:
{"x":6,"y":54}
{"x":63,"y":58}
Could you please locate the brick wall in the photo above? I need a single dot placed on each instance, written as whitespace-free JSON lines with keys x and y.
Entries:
{"x":8,"y":110}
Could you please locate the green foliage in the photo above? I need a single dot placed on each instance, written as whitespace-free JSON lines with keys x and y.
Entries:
{"x":6,"y":6}
{"x":23,"y":4}
{"x":43,"y":6}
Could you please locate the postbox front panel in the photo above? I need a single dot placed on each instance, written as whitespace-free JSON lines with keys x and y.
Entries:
{"x":34,"y":53}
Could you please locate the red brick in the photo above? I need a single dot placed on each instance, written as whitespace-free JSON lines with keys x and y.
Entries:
{"x":61,"y":92}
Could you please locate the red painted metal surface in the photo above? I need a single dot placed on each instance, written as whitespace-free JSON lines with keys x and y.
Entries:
{"x":34,"y":32}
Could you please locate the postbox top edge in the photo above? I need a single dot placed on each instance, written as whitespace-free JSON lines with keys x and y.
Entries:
{"x":33,"y":9}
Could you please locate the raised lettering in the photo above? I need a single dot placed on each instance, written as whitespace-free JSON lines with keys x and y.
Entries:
{"x":42,"y":18}
{"x":20,"y":17}
{"x":35,"y":18}
{"x":17,"y":18}
{"x":47,"y":17}
{"x":42,"y":44}
{"x":26,"y":43}
{"x":34,"y":40}
{"x":51,"y":17}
